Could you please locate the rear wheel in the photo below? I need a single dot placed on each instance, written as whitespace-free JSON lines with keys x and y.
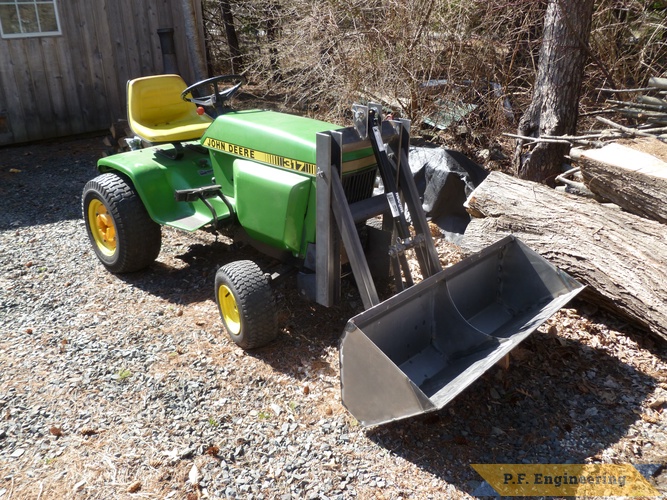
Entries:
{"x":246,"y":304}
{"x":123,"y":235}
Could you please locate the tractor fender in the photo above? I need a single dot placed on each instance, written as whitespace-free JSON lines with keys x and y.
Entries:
{"x":156,"y":178}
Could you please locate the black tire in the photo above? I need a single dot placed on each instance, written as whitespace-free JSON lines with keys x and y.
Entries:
{"x":246,"y":304}
{"x":123,"y":235}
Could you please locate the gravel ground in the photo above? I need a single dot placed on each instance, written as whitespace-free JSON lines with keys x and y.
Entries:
{"x":127,"y":386}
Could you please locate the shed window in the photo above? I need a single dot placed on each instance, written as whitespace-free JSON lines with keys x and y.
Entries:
{"x":23,"y":18}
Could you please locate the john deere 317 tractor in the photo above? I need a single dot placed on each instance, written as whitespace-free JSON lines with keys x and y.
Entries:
{"x":302,"y":191}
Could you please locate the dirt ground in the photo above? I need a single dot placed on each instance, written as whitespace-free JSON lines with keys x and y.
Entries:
{"x":128,"y":386}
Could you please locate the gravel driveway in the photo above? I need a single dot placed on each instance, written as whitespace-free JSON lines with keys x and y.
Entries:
{"x":127,"y":386}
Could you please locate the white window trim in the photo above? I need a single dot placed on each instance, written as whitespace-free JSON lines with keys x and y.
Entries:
{"x":34,"y":33}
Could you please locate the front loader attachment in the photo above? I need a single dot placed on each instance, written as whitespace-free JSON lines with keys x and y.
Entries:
{"x":416,"y":351}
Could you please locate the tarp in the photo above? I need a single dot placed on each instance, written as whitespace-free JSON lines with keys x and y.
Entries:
{"x":444,"y":179}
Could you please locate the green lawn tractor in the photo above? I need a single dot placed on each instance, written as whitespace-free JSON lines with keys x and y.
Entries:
{"x":303,"y":192}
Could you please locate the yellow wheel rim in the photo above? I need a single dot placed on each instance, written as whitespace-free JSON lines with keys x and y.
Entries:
{"x":102,"y":227}
{"x":229,"y":310}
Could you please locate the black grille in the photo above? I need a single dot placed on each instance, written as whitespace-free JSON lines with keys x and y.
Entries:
{"x":359,"y":185}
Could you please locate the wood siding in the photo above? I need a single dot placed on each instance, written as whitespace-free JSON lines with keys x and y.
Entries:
{"x":74,"y":83}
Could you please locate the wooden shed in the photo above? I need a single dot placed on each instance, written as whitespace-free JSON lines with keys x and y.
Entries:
{"x":64,"y":64}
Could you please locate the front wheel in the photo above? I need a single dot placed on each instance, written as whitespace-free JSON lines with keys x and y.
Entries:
{"x":122,"y":234}
{"x":246,"y":304}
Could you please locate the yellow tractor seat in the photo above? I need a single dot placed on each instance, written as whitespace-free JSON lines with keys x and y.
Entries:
{"x":156,"y":112}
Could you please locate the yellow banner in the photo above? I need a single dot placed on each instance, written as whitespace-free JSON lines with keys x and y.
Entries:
{"x":566,"y":480}
{"x":253,"y":154}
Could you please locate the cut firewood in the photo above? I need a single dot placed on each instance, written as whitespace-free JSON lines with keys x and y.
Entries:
{"x":119,"y":129}
{"x":633,"y":179}
{"x":620,"y":256}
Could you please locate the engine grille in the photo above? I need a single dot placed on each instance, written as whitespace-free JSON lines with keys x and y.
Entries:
{"x":359,"y":185}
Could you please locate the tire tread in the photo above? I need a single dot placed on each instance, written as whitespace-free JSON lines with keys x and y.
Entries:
{"x":138,"y":235}
{"x":255,"y":300}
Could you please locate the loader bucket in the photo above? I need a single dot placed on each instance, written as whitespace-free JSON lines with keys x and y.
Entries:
{"x":416,"y":351}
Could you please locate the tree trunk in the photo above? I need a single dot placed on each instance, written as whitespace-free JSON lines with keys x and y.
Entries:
{"x":621,"y":257}
{"x":195,"y":37}
{"x":236,"y":58}
{"x":553,"y":110}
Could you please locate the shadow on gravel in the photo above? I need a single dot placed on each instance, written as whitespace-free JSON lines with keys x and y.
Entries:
{"x":308,"y":330}
{"x":297,"y":317}
{"x":560,"y":401}
{"x":42,"y":183}
{"x":189,"y":284}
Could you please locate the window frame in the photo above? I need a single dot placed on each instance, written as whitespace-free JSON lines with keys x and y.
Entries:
{"x":32,"y":34}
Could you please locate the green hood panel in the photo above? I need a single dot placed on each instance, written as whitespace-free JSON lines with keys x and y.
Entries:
{"x":271,"y":204}
{"x":276,"y":139}
{"x":268,"y":137}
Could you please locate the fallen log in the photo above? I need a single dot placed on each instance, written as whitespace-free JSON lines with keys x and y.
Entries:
{"x":620,"y":256}
{"x":634,"y":180}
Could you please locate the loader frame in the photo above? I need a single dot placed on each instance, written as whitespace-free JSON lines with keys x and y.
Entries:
{"x":414,"y":352}
{"x":390,"y":142}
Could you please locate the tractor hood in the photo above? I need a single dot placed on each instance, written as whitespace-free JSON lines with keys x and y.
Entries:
{"x":277,"y":139}
{"x":269,"y":137}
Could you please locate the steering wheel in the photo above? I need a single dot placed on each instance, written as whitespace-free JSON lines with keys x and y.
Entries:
{"x":218,"y":98}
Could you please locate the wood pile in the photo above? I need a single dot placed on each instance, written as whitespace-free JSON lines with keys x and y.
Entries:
{"x":621,"y":257}
{"x":631,"y":174}
{"x":648,"y":111}
{"x":651,"y":110}
{"x":614,"y":241}
{"x":116,"y":143}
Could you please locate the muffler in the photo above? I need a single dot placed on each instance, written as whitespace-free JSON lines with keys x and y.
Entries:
{"x":416,"y":351}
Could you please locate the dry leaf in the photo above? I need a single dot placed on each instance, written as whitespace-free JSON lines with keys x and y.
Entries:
{"x":134,"y":487}
{"x":212,"y":450}
{"x":56,"y":431}
{"x":525,"y":393}
{"x":659,"y":402}
{"x":651,"y":419}
{"x":460,"y":440}
{"x":193,"y":475}
{"x":504,"y":363}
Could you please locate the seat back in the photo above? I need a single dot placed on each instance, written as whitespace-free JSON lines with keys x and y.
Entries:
{"x":156,"y":112}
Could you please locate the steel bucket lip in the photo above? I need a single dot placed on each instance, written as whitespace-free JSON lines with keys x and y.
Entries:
{"x":447,"y":273}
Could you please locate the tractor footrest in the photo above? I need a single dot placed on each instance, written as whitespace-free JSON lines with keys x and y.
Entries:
{"x":197,"y":193}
